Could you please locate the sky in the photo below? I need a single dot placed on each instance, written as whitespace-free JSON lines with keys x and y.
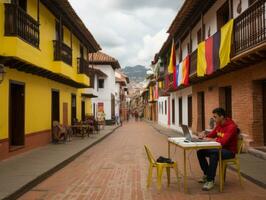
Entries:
{"x":131,"y":31}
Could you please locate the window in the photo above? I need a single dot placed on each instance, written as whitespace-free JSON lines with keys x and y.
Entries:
{"x":59,"y":30}
{"x":201,"y":111}
{"x":223,"y":15}
{"x":81,"y":50}
{"x":180,"y":54}
{"x":23,"y":4}
{"x":180,"y":111}
{"x":188,"y":48}
{"x":189,"y":99}
{"x":165,"y":105}
{"x":199,"y":35}
{"x":101,"y":83}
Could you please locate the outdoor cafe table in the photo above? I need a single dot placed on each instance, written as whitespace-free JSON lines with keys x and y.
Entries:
{"x":179,"y":142}
{"x":83,"y":128}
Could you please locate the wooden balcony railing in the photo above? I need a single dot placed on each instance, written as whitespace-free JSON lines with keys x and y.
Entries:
{"x":250,"y":28}
{"x":62,"y":52}
{"x":18,"y":23}
{"x":83,"y":68}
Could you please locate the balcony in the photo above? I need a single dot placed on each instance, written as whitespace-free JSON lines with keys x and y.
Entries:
{"x":83,"y":68}
{"x":62,"y":52}
{"x":19,"y":24}
{"x":250,"y":28}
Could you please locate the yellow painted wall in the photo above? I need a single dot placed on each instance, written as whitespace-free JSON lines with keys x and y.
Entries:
{"x":88,"y":107}
{"x":31,"y":8}
{"x":44,"y":56}
{"x":37,"y":101}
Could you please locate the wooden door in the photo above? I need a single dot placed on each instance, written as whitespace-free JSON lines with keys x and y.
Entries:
{"x":264,"y":111}
{"x":73,"y":108}
{"x":65,"y":113}
{"x":16,"y":114}
{"x":83,"y":112}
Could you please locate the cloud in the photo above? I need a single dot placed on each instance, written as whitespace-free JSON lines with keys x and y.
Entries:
{"x":131,"y":31}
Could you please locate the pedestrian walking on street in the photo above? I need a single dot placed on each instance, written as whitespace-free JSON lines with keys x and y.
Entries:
{"x":136,"y":115}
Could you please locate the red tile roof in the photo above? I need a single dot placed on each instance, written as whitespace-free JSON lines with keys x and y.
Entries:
{"x":100,"y":58}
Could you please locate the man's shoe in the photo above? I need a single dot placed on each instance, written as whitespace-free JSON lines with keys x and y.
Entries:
{"x":203,"y":179}
{"x":208,"y":186}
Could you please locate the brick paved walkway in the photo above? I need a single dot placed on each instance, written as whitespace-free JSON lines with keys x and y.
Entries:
{"x":116,"y":169}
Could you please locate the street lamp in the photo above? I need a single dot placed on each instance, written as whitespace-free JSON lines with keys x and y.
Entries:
{"x":2,"y":73}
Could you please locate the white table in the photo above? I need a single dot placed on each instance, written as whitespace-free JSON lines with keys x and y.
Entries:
{"x":179,"y":142}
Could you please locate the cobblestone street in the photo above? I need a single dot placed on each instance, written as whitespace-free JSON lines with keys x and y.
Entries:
{"x":116,"y":168}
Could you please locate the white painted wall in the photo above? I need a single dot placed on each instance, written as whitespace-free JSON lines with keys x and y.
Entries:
{"x":162,"y":116}
{"x":104,"y":94}
{"x":117,"y":99}
{"x":184,"y":93}
{"x":244,"y":5}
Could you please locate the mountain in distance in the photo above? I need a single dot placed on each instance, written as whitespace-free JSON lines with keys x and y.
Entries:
{"x":136,"y":74}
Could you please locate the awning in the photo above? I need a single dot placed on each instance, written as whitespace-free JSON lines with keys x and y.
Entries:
{"x":88,"y":95}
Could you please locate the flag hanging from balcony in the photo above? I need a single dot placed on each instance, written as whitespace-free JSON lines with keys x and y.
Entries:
{"x":209,"y":56}
{"x":201,"y":60}
{"x":151,"y":94}
{"x":180,"y":74}
{"x":176,"y":74}
{"x":160,"y":84}
{"x":225,"y":46}
{"x":214,"y":53}
{"x":172,"y":63}
{"x":156,"y":91}
{"x":185,"y":72}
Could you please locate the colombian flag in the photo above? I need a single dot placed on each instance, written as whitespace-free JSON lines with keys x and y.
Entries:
{"x":214,"y":53}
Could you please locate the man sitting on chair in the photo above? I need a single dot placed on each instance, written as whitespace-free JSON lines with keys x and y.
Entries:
{"x":225,"y":133}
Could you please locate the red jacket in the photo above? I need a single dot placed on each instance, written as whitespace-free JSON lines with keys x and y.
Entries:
{"x":226,"y":134}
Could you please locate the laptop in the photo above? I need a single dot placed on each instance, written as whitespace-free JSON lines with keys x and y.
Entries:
{"x":188,"y":135}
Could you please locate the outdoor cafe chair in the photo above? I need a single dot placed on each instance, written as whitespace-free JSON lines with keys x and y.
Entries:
{"x":234,"y":161}
{"x":160,"y":167}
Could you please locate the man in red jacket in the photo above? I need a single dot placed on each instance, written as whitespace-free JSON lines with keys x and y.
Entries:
{"x":226,"y":134}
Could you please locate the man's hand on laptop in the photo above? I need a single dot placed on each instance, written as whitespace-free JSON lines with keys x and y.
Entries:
{"x":202,"y":135}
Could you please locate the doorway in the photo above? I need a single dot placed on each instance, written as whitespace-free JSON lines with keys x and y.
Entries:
{"x":225,"y":95}
{"x":73,"y":108}
{"x":16,"y":114}
{"x":264,"y":111}
{"x":201,"y":111}
{"x":83,"y":114}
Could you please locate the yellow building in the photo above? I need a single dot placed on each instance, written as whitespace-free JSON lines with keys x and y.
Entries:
{"x":43,"y":48}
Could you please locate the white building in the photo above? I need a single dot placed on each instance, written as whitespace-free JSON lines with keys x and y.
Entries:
{"x":104,"y":84}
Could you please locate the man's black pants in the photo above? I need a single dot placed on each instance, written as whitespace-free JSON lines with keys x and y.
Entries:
{"x":209,"y":169}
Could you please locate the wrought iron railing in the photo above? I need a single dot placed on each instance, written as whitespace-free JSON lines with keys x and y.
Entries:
{"x":62,"y":52}
{"x":83,"y":68}
{"x":250,"y":28}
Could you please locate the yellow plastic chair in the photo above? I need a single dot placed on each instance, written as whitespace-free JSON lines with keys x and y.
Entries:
{"x":160,"y":167}
{"x":234,"y":161}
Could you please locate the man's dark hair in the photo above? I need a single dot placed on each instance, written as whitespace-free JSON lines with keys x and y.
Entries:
{"x":219,"y":111}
